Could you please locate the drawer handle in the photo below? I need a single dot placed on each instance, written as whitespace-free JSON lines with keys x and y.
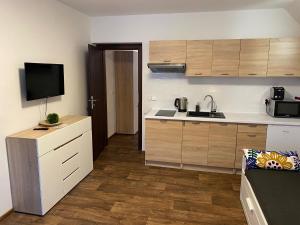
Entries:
{"x":198,"y":74}
{"x":223,"y":124}
{"x":251,"y":135}
{"x":289,"y":74}
{"x":252,"y":125}
{"x":167,"y":61}
{"x":196,"y":122}
{"x":69,"y":158}
{"x":67,"y":142}
{"x":224,"y":74}
{"x":252,"y":74}
{"x":70,"y":174}
{"x":250,"y":205}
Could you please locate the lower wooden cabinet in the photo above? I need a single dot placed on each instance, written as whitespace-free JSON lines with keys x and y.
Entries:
{"x":201,"y":143}
{"x":222,"y":144}
{"x":249,"y":136}
{"x":163,"y":141}
{"x":195,"y":143}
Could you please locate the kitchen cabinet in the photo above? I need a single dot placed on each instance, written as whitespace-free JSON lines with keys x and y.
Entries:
{"x":199,"y":58}
{"x":195,"y":143}
{"x":254,"y":57}
{"x":222,"y":145}
{"x":249,"y":136}
{"x":226,"y":57}
{"x":163,"y":141}
{"x":167,"y":51}
{"x":284,"y":57}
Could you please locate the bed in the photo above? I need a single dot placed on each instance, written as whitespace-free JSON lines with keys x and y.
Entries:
{"x":270,"y":197}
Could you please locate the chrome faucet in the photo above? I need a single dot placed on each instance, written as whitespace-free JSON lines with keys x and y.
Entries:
{"x":212,"y":103}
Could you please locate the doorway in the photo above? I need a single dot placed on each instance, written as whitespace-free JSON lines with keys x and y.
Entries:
{"x":118,"y":110}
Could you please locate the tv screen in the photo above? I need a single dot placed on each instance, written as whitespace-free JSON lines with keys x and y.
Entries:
{"x":44,"y":80}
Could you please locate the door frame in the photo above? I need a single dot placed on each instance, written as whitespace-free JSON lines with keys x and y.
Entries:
{"x":129,"y":46}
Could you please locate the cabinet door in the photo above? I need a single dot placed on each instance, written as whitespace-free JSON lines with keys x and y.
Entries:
{"x":254,"y":57}
{"x":284,"y":57}
{"x":199,"y":58}
{"x":167,"y":51}
{"x":222,"y":145}
{"x":163,"y":141}
{"x":195,"y":143}
{"x":248,"y":140}
{"x":226,"y":57}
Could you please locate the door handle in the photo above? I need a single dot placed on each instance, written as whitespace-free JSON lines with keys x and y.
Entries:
{"x":92,"y":102}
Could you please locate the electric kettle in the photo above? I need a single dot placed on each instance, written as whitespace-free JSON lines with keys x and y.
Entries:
{"x":181,"y":104}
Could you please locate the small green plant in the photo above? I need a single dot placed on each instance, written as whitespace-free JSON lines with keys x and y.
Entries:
{"x":52,"y":118}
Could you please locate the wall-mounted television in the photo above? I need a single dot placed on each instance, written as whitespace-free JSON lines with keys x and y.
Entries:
{"x":44,"y":80}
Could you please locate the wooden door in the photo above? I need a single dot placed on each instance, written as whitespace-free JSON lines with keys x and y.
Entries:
{"x":199,"y":58}
{"x":222,"y":145}
{"x":163,"y":141}
{"x":226,"y":57}
{"x":167,"y":51}
{"x":97,"y":99}
{"x":284,"y":57}
{"x":254,"y":57}
{"x":124,"y":92}
{"x":195,"y":143}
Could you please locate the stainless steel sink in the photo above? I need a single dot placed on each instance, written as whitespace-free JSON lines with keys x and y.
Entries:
{"x":206,"y":114}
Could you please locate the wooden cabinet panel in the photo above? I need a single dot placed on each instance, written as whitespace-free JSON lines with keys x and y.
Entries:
{"x":222,"y":145}
{"x":167,"y":51}
{"x":252,"y":128}
{"x":248,"y":140}
{"x":199,"y":58}
{"x":226,"y":57}
{"x":284,"y":57}
{"x":163,"y":141}
{"x":254,"y":57}
{"x":195,"y":143}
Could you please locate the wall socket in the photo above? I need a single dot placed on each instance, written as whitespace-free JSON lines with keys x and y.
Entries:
{"x":153,"y":98}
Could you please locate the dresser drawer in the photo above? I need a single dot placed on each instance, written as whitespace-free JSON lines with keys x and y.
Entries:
{"x":252,"y":128}
{"x":62,"y":136}
{"x":69,"y":166}
{"x":72,"y":180}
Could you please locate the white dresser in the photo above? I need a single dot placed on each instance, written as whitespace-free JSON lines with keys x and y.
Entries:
{"x":45,"y":165}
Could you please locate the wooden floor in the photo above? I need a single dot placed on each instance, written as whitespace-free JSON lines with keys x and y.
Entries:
{"x":122,"y":190}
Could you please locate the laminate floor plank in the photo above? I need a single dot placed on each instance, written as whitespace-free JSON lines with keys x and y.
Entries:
{"x":121,"y":190}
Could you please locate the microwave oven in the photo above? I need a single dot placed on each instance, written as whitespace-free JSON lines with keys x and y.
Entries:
{"x":283,"y":108}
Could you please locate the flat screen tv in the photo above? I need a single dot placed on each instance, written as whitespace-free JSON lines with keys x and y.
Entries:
{"x":44,"y":80}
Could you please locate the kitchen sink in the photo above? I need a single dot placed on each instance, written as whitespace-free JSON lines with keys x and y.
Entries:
{"x":206,"y":114}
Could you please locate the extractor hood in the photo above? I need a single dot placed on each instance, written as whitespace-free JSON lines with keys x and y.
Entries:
{"x":167,"y":67}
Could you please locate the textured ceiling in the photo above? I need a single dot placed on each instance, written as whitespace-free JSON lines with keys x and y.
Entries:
{"x":135,"y":7}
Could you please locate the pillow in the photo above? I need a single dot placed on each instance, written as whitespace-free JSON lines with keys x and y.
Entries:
{"x":256,"y":159}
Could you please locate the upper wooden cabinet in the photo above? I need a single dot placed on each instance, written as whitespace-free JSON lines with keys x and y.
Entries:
{"x":195,"y":143}
{"x":167,"y":52}
{"x":284,"y":58}
{"x":254,"y":57}
{"x":226,"y":57}
{"x":199,"y":58}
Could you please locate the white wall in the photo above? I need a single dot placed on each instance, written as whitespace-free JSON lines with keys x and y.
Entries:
{"x":110,"y":92}
{"x":231,"y":94}
{"x":38,"y":31}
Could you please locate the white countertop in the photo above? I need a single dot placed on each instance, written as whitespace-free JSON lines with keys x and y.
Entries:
{"x":257,"y":118}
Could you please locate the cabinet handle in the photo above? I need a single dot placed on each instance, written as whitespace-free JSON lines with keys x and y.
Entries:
{"x":224,"y":74}
{"x":252,"y":125}
{"x":167,"y":61}
{"x":196,"y":122}
{"x":289,"y":74}
{"x":252,"y":74}
{"x":252,"y":135}
{"x":198,"y":74}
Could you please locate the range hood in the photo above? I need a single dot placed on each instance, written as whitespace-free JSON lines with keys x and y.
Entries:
{"x":167,"y":67}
